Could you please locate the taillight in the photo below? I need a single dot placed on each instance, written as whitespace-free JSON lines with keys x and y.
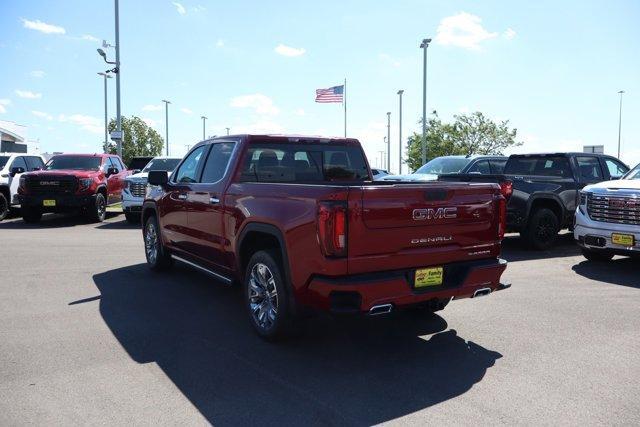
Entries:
{"x":332,"y":228}
{"x":506,"y":189}
{"x":502,"y":217}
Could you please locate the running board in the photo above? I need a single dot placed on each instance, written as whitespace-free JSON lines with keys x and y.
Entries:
{"x":218,"y":276}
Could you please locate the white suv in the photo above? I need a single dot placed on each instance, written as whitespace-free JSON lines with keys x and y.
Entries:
{"x":608,"y":218}
{"x":12,"y":166}
{"x":135,"y":186}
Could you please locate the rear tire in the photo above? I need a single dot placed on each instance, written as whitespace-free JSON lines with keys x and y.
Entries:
{"x":132,"y":218}
{"x":158,"y":257}
{"x":31,"y":215}
{"x":542,"y":229}
{"x":98,"y":212}
{"x":267,"y":297}
{"x":596,"y":256}
{"x":4,"y":207}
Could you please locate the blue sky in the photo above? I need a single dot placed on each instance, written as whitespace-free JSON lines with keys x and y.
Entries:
{"x":552,"y":68}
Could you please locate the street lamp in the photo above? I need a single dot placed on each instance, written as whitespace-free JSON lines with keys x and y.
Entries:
{"x":424,"y":45}
{"x":166,"y":122}
{"x":106,"y":138}
{"x":389,"y":140}
{"x":227,"y":130}
{"x":620,"y":122}
{"x":204,"y":119}
{"x":400,"y":92}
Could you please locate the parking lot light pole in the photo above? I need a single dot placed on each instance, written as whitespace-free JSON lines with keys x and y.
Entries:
{"x":389,"y":140}
{"x":400,"y":92}
{"x":106,"y":124}
{"x":204,"y":119}
{"x":620,"y":122}
{"x":424,"y":45}
{"x":118,"y":116}
{"x":228,"y":130}
{"x":166,"y":122}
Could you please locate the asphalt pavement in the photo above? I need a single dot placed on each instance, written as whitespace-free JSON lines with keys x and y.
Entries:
{"x":88,"y":335}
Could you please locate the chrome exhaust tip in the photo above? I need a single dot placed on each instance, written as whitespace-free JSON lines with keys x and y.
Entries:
{"x":481,"y":292}
{"x":380,"y":309}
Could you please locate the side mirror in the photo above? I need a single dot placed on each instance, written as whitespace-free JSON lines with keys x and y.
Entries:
{"x":112,"y":171}
{"x":16,"y":171}
{"x":158,"y":177}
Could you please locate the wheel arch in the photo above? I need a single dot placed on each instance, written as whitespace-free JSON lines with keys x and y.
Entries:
{"x":550,"y":201}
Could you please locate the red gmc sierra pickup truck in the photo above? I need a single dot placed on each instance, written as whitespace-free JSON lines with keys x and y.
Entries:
{"x":299,"y":222}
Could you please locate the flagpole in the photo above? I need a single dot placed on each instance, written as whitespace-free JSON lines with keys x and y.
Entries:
{"x":344,"y":103}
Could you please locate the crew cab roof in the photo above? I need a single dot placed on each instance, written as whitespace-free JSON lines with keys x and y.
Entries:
{"x":566,"y":154}
{"x":287,"y":138}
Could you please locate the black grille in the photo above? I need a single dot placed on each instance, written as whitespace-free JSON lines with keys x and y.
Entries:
{"x":52,"y":184}
{"x":138,"y":189}
{"x":618,"y":209}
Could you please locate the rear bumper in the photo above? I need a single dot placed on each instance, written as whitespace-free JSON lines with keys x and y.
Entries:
{"x":358,"y":293}
{"x":64,"y":203}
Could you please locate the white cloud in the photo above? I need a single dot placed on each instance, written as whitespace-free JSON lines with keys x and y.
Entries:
{"x":42,"y":115}
{"x":384,"y":57}
{"x":261,"y":104}
{"x":186,"y":110}
{"x":285,"y":50}
{"x":37,"y":74}
{"x":509,"y":34}
{"x":27,"y":94}
{"x":150,"y":122}
{"x":299,"y":112}
{"x":88,"y":123}
{"x":89,"y":37}
{"x":463,"y":30}
{"x":43,"y":27}
{"x":152,"y":107}
{"x":198,"y":8}
{"x":180,"y":8}
{"x":3,"y":103}
{"x":220,"y":43}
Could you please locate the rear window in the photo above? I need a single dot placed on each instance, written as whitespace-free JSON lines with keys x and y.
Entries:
{"x":74,"y":162}
{"x":304,"y":163}
{"x":556,"y":166}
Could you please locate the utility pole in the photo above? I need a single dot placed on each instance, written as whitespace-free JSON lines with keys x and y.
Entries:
{"x":204,"y":120}
{"x":389,"y":140}
{"x":166,"y":122}
{"x":106,"y":117}
{"x":381,"y":159}
{"x":620,"y":122}
{"x":118,"y":116}
{"x":424,"y":45}
{"x":400,"y":92}
{"x":227,"y":131}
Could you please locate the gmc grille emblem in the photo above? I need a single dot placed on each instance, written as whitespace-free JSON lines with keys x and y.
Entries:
{"x":440,"y":213}
{"x":49,"y":182}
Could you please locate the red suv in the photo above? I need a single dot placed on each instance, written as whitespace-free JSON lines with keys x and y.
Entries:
{"x":86,"y":183}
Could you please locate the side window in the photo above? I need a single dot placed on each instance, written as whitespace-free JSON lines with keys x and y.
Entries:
{"x":589,"y":168}
{"x":117,"y":163}
{"x":481,"y":166}
{"x":497,"y":166}
{"x":106,"y":164}
{"x":189,"y":168}
{"x":616,"y":169}
{"x":19,"y":162}
{"x":217,"y":162}
{"x":34,"y":163}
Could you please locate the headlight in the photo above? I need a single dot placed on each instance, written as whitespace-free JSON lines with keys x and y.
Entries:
{"x":583,"y":198}
{"x":85,"y":183}
{"x":127,"y":184}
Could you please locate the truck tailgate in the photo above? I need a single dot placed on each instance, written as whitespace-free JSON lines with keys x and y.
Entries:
{"x":415,"y":225}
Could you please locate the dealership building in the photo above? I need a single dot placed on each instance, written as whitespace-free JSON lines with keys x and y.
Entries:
{"x":13,"y":139}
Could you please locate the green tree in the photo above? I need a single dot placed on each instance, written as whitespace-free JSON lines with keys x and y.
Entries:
{"x":139,"y":139}
{"x":469,"y":134}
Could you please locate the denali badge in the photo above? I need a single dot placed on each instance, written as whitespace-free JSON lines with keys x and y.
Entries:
{"x":436,"y":239}
{"x":422,"y":214}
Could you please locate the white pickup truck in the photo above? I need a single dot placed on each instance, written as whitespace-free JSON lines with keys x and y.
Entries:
{"x":608,"y":218}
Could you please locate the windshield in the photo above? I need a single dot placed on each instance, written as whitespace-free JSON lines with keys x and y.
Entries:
{"x":633,"y":173}
{"x":74,"y":162}
{"x":443,"y":165}
{"x":3,"y":161}
{"x":161,"y":165}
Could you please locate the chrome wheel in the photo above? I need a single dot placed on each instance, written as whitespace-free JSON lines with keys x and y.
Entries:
{"x":151,"y":242}
{"x":101,"y":208}
{"x":263,"y":296}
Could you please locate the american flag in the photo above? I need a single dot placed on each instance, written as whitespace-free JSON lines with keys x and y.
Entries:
{"x":332,"y":94}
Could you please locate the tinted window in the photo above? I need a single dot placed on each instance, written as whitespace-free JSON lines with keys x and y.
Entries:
{"x":19,"y":162}
{"x":616,"y":169}
{"x":217,"y":162}
{"x":557,"y":166}
{"x":189,"y":168}
{"x":481,"y":166}
{"x":497,"y":166}
{"x":74,"y":162}
{"x":34,"y":163}
{"x":442,"y":165}
{"x":3,"y":161}
{"x":589,"y":168}
{"x":303,"y":163}
{"x":161,"y":165}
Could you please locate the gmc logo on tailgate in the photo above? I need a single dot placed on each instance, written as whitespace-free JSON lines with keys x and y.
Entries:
{"x":440,"y":213}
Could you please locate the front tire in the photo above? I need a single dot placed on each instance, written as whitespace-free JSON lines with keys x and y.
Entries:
{"x":31,"y":215}
{"x":4,"y":207}
{"x":596,"y":256}
{"x":98,"y":212}
{"x":158,"y":258}
{"x":542,"y":229}
{"x":266,"y":296}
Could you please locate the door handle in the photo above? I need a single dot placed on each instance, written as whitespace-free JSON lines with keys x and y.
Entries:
{"x":182,"y":196}
{"x":214,"y":200}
